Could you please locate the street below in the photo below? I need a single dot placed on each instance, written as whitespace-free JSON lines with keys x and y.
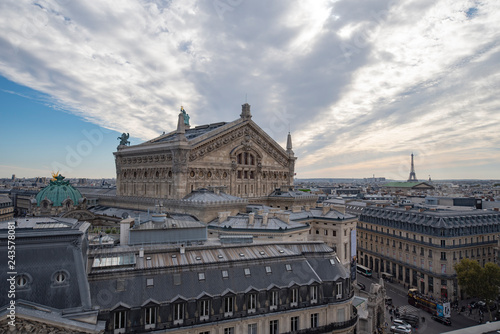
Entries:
{"x":399,"y":298}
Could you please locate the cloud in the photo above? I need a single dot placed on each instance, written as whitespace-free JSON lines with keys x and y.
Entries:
{"x":361,"y":85}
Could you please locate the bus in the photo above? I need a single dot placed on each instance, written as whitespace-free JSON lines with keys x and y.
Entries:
{"x":429,"y":304}
{"x":363,"y":270}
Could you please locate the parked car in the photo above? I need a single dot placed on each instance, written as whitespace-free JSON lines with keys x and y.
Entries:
{"x":361,"y":286}
{"x":400,"y":322}
{"x":400,"y":329}
{"x":410,"y":318}
{"x":443,"y":320}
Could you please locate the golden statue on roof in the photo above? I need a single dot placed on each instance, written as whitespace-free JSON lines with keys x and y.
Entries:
{"x":55,"y":175}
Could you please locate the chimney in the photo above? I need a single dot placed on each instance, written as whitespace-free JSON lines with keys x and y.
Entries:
{"x":251,"y":218}
{"x":223,"y":216}
{"x":125,"y":230}
{"x":264,"y":219}
{"x":283,"y":216}
{"x":296,"y":208}
{"x":182,"y":250}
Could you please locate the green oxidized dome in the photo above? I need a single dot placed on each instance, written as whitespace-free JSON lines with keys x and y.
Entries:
{"x":58,"y":191}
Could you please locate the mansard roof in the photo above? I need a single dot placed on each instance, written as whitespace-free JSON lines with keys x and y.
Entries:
{"x":434,"y":218}
{"x":311,"y":262}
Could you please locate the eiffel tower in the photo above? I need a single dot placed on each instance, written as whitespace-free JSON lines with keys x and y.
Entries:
{"x":413,"y":176}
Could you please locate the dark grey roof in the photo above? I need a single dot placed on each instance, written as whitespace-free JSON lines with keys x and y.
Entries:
{"x":58,"y":248}
{"x":306,"y":268}
{"x":434,"y":218}
{"x":190,"y":133}
{"x":5,"y":200}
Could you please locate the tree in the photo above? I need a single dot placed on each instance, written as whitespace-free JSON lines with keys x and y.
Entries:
{"x":483,"y":283}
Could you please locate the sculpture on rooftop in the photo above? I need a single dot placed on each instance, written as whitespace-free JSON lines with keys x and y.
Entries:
{"x":186,"y":116}
{"x":124,"y":139}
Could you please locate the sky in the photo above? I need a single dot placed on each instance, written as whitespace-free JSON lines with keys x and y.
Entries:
{"x":359,"y":84}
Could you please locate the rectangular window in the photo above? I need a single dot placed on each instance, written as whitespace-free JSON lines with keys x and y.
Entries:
{"x":150,"y":317}
{"x":273,"y":327}
{"x":443,"y":243}
{"x":228,"y":306}
{"x":326,"y":232}
{"x":252,"y":328}
{"x":120,"y":320}
{"x":430,"y":252}
{"x":178,"y":313}
{"x":294,"y":324}
{"x":273,"y":300}
{"x":314,"y":294}
{"x":229,"y":330}
{"x":314,"y":320}
{"x":294,"y":300}
{"x":252,"y":303}
{"x":443,"y":256}
{"x":339,"y":290}
{"x":204,"y":309}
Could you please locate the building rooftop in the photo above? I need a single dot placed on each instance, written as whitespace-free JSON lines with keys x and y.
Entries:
{"x":434,"y":217}
{"x":58,"y":191}
{"x":210,"y":196}
{"x":212,"y":271}
{"x":190,"y":133}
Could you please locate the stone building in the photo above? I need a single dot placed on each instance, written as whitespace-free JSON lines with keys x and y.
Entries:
{"x":237,"y":155}
{"x":419,"y":246}
{"x":6,"y":209}
{"x":223,"y":289}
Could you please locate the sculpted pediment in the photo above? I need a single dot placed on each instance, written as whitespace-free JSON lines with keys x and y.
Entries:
{"x":247,"y":137}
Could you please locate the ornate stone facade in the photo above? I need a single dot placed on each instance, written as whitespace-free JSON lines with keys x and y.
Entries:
{"x":238,"y":155}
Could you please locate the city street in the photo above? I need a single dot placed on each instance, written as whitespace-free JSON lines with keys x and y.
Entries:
{"x":399,"y":298}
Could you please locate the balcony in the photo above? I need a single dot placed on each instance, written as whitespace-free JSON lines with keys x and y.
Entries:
{"x":330,"y":327}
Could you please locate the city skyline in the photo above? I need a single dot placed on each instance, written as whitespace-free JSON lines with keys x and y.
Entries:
{"x":359,"y":86}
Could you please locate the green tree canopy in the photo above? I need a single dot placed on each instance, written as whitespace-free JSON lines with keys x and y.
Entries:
{"x":477,"y":281}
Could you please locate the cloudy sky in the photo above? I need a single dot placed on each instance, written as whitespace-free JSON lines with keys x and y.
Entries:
{"x":360,"y":84}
